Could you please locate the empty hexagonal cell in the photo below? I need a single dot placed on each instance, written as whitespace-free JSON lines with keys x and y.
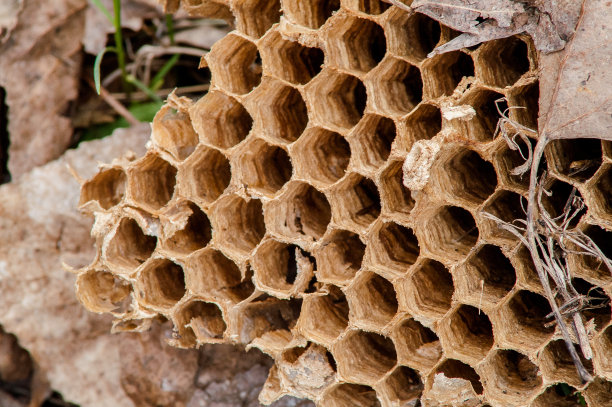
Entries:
{"x":199,"y":322}
{"x":525,"y":320}
{"x":467,"y":334}
{"x":489,"y":106}
{"x":428,"y":291}
{"x":324,"y":317}
{"x":577,"y":159}
{"x":525,"y":103}
{"x":282,"y":112}
{"x":417,"y":346}
{"x":396,"y":87}
{"x":510,"y":377}
{"x":339,"y":257}
{"x":151,"y":182}
{"x":412,"y":35}
{"x":173,"y":132}
{"x":442,"y":73}
{"x":557,"y":364}
{"x":364,"y":357}
{"x":602,"y":348}
{"x":465,"y":176}
{"x":559,"y":395}
{"x":371,"y":141}
{"x":422,"y":124}
{"x":396,"y":198}
{"x":238,"y":224}
{"x":101,"y":291}
{"x":195,"y":235}
{"x":234,"y":64}
{"x":205,"y":175}
{"x":211,"y":275}
{"x":290,"y":60}
{"x":560,"y":198}
{"x":254,"y":18}
{"x":265,"y":314}
{"x":507,"y":206}
{"x":602,"y":193}
{"x":279,"y":267}
{"x":129,"y":247}
{"x":355,"y":43}
{"x":372,"y":301}
{"x":338,"y":99}
{"x":453,"y":368}
{"x":107,"y":188}
{"x":263,"y":167}
{"x":402,"y":386}
{"x":302,"y":212}
{"x":349,"y":395}
{"x":597,"y":309}
{"x":599,"y":392}
{"x":356,"y":202}
{"x":220,"y":120}
{"x":321,"y":155}
{"x":161,"y":284}
{"x":507,"y":159}
{"x":486,"y":277}
{"x":502,"y":62}
{"x":450,"y":233}
{"x":310,"y":13}
{"x":393,"y":247}
{"x":591,"y":267}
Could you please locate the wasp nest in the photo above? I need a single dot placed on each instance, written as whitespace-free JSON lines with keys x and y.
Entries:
{"x":273,"y":212}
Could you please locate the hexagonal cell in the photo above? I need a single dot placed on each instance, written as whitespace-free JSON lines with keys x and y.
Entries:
{"x":161,"y":284}
{"x":195,"y":235}
{"x":597,"y":309}
{"x":442,"y":73}
{"x":339,"y":257}
{"x":510,"y":377}
{"x":502,"y":62}
{"x":557,"y":364}
{"x":455,"y":369}
{"x":450,"y":233}
{"x":525,"y":321}
{"x":559,"y":395}
{"x":372,"y":301}
{"x":254,"y":18}
{"x":396,"y":198}
{"x":282,"y":112}
{"x":525,"y":103}
{"x":507,"y":206}
{"x":576,"y":159}
{"x":371,"y":141}
{"x":396,"y":87}
{"x":321,"y":155}
{"x":355,"y":43}
{"x":507,"y":159}
{"x":526,"y":273}
{"x":602,"y":192}
{"x":324,"y":317}
{"x":198,"y":8}
{"x":599,"y":392}
{"x":356,"y":202}
{"x":310,"y":13}
{"x":465,"y":176}
{"x":265,"y":314}
{"x":129,"y":247}
{"x":199,"y":322}
{"x":302,"y":212}
{"x":560,"y":197}
{"x":211,"y":275}
{"x":101,"y":291}
{"x":279,"y":266}
{"x":412,"y":35}
{"x":290,"y":60}
{"x":205,"y":175}
{"x":263,"y":167}
{"x":364,"y":357}
{"x":486,"y":277}
{"x":350,"y":395}
{"x":417,"y":346}
{"x":602,"y":348}
{"x":338,"y":99}
{"x":220,"y":120}
{"x":467,"y":334}
{"x":422,"y":124}
{"x":488,"y":105}
{"x":151,"y":182}
{"x":107,"y":188}
{"x":172,"y":131}
{"x":393,"y":248}
{"x":233,"y":63}
{"x":591,"y":267}
{"x":402,"y":386}
{"x":428,"y":291}
{"x":238,"y":224}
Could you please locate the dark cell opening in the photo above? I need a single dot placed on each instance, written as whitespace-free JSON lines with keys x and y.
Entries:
{"x":5,"y":175}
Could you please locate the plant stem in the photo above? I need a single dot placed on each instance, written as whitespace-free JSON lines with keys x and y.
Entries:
{"x":119,"y":45}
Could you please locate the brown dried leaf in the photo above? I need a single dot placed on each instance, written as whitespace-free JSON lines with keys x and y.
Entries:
{"x":9,"y":10}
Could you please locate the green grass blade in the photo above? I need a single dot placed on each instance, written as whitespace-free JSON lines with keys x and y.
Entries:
{"x":104,"y":10}
{"x":97,"y":63}
{"x":158,"y":79}
{"x":131,"y":79}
